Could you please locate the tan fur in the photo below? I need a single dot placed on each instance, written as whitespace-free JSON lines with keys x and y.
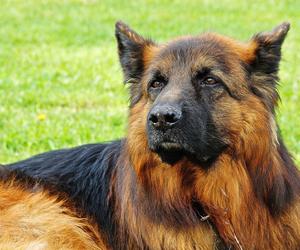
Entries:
{"x":245,"y":51}
{"x":240,"y":217}
{"x":31,"y":220}
{"x":225,"y":190}
{"x":156,"y":234}
{"x":164,"y":184}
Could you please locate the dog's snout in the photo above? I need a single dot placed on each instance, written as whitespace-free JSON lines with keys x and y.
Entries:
{"x":164,"y":117}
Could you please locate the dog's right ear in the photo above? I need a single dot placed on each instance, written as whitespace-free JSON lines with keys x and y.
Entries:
{"x":132,"y":49}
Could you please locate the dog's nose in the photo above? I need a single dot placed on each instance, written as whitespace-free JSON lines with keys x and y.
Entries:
{"x":164,"y":117}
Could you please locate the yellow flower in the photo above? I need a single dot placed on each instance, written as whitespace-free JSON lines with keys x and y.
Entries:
{"x":41,"y":117}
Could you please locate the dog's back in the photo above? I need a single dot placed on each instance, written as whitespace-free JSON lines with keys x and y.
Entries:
{"x":82,"y":173}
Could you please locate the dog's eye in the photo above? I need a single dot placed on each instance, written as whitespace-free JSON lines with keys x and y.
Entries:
{"x":157,"y":84}
{"x":209,"y":81}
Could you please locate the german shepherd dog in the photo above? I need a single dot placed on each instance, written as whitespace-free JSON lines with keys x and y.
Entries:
{"x":203,"y":165}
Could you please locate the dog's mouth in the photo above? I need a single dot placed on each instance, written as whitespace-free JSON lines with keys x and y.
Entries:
{"x":170,"y":152}
{"x":173,"y":152}
{"x":172,"y":146}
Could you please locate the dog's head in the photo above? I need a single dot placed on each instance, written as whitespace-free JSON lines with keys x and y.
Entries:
{"x":198,"y":96}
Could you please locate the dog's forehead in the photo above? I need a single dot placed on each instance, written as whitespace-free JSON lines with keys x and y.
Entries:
{"x":206,"y":44}
{"x":207,"y":50}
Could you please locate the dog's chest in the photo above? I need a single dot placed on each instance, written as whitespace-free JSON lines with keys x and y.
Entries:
{"x":200,"y":237}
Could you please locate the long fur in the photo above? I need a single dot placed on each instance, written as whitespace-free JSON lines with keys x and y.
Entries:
{"x":101,"y":182}
{"x":248,"y":197}
{"x":31,"y":218}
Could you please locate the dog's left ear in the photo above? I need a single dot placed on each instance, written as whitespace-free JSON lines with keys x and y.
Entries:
{"x":132,"y":48}
{"x":268,"y":50}
{"x":265,"y":64}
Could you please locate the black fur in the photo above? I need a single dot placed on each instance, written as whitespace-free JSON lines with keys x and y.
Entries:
{"x":264,"y":69}
{"x":195,"y":133}
{"x":84,"y":173}
{"x":26,"y":181}
{"x":286,"y":187}
{"x":131,"y":48}
{"x":268,"y":53}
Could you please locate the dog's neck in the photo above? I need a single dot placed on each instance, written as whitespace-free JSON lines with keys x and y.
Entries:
{"x":237,"y":192}
{"x":247,"y":198}
{"x":157,"y":206}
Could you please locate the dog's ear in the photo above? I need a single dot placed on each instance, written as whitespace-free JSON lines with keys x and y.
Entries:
{"x":265,"y":64}
{"x":132,"y":48}
{"x":268,"y":50}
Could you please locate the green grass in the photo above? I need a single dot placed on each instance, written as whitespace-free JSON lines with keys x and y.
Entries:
{"x":60,"y":80}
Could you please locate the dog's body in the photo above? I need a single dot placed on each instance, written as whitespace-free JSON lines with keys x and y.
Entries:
{"x":98,"y":179}
{"x":32,"y":218}
{"x":203,"y":166}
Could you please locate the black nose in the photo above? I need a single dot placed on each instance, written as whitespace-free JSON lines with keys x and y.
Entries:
{"x":164,"y":117}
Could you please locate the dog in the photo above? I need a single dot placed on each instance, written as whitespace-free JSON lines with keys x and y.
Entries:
{"x":33,"y":218}
{"x":203,"y":165}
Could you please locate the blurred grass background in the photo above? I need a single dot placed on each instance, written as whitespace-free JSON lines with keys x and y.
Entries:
{"x":60,"y":80}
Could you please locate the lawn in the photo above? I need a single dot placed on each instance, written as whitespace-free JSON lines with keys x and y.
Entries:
{"x":60,"y":80}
